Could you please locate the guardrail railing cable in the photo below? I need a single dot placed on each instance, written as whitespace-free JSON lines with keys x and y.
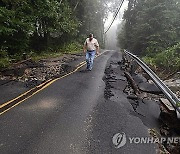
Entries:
{"x":173,"y":99}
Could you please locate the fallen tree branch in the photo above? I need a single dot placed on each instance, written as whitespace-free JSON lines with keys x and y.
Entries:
{"x":132,"y":82}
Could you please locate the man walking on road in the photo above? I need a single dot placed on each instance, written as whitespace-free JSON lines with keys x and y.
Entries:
{"x":91,"y":46}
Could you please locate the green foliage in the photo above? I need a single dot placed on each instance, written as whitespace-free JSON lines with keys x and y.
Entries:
{"x":149,"y":60}
{"x":14,"y":33}
{"x":45,"y":55}
{"x":4,"y":59}
{"x":152,"y":26}
{"x":151,"y":29}
{"x":16,"y":28}
{"x":26,"y":24}
{"x":4,"y":62}
{"x":73,"y":47}
{"x":168,"y":59}
{"x":29,"y":25}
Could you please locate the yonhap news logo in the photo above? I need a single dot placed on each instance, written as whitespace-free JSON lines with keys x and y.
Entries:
{"x":120,"y":139}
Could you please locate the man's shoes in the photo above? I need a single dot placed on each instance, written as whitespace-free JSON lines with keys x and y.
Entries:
{"x":89,"y":69}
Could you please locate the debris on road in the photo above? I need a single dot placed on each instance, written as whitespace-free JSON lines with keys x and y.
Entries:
{"x":34,"y":73}
{"x":168,"y":124}
{"x":28,"y":74}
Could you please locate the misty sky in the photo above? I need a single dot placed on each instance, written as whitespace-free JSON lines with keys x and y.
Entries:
{"x":111,"y":40}
{"x":119,"y":17}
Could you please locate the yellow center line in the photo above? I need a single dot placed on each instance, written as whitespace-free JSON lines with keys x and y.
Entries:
{"x":1,"y":106}
{"x":81,"y":63}
{"x":43,"y":85}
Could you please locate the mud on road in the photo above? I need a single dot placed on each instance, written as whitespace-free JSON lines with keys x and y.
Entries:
{"x":28,"y":74}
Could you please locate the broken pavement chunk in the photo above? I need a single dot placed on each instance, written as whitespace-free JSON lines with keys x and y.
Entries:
{"x":167,"y":104}
{"x":148,"y":87}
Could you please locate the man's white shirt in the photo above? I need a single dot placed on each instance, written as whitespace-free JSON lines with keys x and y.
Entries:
{"x":91,"y":45}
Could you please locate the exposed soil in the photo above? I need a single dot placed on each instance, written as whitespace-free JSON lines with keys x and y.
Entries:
{"x":168,"y":123}
{"x":34,"y":73}
{"x":174,"y":83}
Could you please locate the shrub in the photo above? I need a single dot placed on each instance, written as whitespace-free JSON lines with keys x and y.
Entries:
{"x":73,"y":47}
{"x":149,"y":60}
{"x":168,"y":59}
{"x":4,"y":59}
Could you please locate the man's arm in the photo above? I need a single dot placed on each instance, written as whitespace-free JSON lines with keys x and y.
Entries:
{"x":97,"y":47}
{"x":85,"y":47}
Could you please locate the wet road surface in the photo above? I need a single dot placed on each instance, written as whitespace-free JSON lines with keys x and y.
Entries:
{"x":73,"y":115}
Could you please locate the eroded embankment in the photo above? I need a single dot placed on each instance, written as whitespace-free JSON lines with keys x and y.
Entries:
{"x":147,"y":102}
{"x":28,"y":74}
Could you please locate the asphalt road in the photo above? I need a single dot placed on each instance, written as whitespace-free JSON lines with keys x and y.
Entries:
{"x":72,"y":116}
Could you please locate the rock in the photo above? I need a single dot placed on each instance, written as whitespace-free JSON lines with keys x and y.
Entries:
{"x":170,"y":119}
{"x":42,"y":70}
{"x":8,"y":72}
{"x":173,"y":148}
{"x":133,"y":97}
{"x":165,"y":131}
{"x":19,"y":71}
{"x":33,"y":82}
{"x":150,"y":88}
{"x":139,"y":78}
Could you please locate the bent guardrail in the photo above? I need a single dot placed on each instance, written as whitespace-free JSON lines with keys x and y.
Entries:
{"x":173,"y":99}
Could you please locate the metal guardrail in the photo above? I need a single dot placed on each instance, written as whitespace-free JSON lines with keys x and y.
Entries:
{"x":173,"y":99}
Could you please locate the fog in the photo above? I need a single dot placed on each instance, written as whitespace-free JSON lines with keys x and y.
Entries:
{"x":111,"y":35}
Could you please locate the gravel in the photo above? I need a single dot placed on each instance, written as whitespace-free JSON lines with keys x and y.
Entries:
{"x":34,"y":73}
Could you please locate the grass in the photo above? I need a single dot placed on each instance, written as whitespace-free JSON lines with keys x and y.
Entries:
{"x":4,"y":63}
{"x":45,"y":55}
{"x":69,"y":48}
{"x":51,"y":54}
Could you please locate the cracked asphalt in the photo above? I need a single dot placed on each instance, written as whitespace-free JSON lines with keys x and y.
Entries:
{"x":78,"y":114}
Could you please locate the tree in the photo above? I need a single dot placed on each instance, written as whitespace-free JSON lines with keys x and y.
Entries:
{"x":28,"y":24}
{"x":38,"y":25}
{"x":151,"y":25}
{"x":53,"y":19}
{"x":15,"y":25}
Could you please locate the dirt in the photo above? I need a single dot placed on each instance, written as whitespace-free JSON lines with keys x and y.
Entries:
{"x":34,"y":73}
{"x":174,"y":83}
{"x":168,"y":123}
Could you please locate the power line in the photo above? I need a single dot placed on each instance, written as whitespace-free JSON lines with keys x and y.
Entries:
{"x":114,"y":16}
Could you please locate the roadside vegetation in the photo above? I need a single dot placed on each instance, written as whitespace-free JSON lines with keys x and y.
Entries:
{"x":70,"y":48}
{"x":48,"y":28}
{"x":168,"y":60}
{"x":151,"y":29}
